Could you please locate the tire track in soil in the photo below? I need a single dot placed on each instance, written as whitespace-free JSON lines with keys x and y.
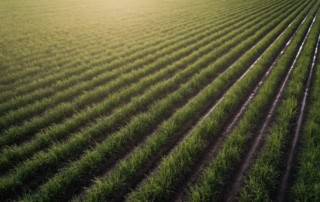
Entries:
{"x":257,"y":141}
{"x":293,"y":147}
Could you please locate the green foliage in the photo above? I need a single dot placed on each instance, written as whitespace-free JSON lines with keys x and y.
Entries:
{"x":263,"y":177}
{"x":116,"y":91}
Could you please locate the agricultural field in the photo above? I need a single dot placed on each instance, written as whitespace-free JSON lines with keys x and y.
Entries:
{"x":159,"y":100}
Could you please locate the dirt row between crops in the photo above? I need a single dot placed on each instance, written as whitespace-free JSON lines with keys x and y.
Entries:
{"x":258,"y":140}
{"x":215,"y":145}
{"x":290,"y":165}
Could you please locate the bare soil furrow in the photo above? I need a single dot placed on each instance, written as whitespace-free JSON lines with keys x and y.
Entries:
{"x":258,"y":139}
{"x":215,"y":144}
{"x":297,"y":131}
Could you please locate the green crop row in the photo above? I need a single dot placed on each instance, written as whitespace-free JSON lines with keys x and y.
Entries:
{"x":263,"y":177}
{"x":306,"y":186}
{"x":127,"y":170}
{"x":154,"y":54}
{"x":151,"y":51}
{"x":26,"y":169}
{"x":15,"y":134}
{"x":14,"y":116}
{"x":86,"y":40}
{"x":229,"y":157}
{"x":103,"y":60}
{"x":76,"y":169}
{"x":95,"y":58}
{"x":82,"y":40}
{"x":11,"y":156}
{"x":162,"y":182}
